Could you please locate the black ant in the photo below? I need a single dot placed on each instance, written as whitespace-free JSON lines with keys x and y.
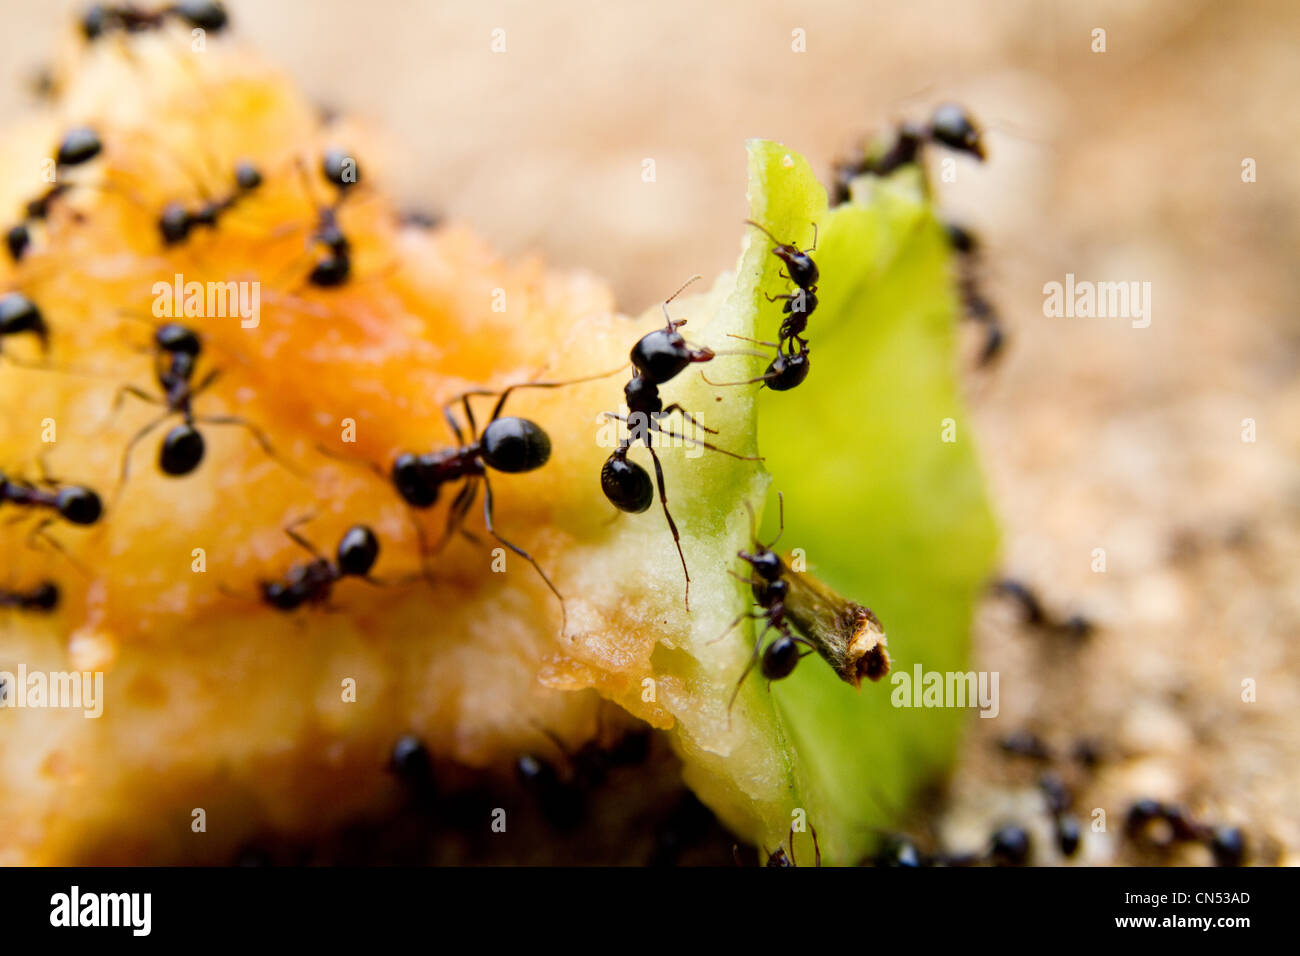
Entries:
{"x":176,"y":353}
{"x":563,"y":799}
{"x":950,"y":125}
{"x":975,"y":305}
{"x":1075,"y":626}
{"x":849,"y":636}
{"x":770,"y":590}
{"x":658,"y":357}
{"x":75,"y":504}
{"x":177,"y":222}
{"x":804,"y":274}
{"x":101,"y":19}
{"x":79,"y":145}
{"x":1226,"y":843}
{"x":333,"y":264}
{"x":19,"y":315}
{"x":42,"y":598}
{"x":509,"y":445}
{"x":313,"y":582}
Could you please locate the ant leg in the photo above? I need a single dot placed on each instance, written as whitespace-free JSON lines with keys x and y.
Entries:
{"x":120,"y":397}
{"x":755,"y":615}
{"x":762,"y":378}
{"x":456,"y":513}
{"x":746,"y":338}
{"x":451,"y":421}
{"x":257,"y":434}
{"x":487,"y":518}
{"x":204,"y":383}
{"x":655,"y":426}
{"x":776,"y":298}
{"x":291,"y":530}
{"x":672,"y":525}
{"x":126,"y":455}
{"x":753,"y":660}
{"x":813,"y":248}
{"x":328,"y":453}
{"x":674,"y":407}
{"x":39,"y":532}
{"x":780,"y":498}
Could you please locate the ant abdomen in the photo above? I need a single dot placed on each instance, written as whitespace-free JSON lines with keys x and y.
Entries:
{"x":626,"y":484}
{"x":787,"y":371}
{"x":411,"y":479}
{"x":515,"y":445}
{"x":357,"y":552}
{"x":780,"y":658}
{"x":181,"y":451}
{"x":78,"y":505}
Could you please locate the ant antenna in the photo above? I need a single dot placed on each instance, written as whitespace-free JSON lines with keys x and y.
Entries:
{"x":676,"y":294}
{"x":780,"y":498}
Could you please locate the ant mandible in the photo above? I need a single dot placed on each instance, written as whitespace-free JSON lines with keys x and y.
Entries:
{"x":658,"y":357}
{"x":313,"y":582}
{"x":176,"y":352}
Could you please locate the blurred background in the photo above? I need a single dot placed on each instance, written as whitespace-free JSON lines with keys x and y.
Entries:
{"x":1122,"y":165}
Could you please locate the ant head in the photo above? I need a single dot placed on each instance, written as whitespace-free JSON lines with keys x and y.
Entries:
{"x":787,"y":371}
{"x":80,"y":145}
{"x":952,"y":126}
{"x":280,"y":597}
{"x":340,"y":169}
{"x":247,"y":176}
{"x":175,"y":223}
{"x":412,"y":480}
{"x":767,"y":564}
{"x":78,"y":505}
{"x":181,"y":451}
{"x":20,"y":314}
{"x":803,"y":271}
{"x":204,"y":14}
{"x":45,"y":597}
{"x":626,"y":484}
{"x":514,"y":444}
{"x":779,"y":858}
{"x":660,"y":355}
{"x":172,"y":337}
{"x":358,"y":550}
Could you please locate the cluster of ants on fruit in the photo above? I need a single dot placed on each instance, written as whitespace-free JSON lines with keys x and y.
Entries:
{"x":504,"y":445}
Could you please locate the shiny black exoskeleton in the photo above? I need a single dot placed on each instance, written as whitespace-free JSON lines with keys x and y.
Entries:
{"x":177,"y":222}
{"x":803,"y":272}
{"x":313,"y":582}
{"x":176,"y":352}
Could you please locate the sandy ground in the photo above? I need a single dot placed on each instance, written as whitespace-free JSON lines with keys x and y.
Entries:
{"x":1123,"y":165}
